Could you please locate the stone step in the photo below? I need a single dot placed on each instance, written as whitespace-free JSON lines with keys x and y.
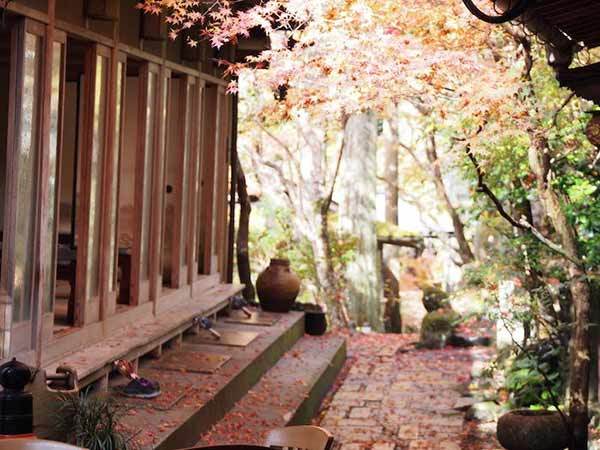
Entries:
{"x":192,"y":402}
{"x":290,"y":393}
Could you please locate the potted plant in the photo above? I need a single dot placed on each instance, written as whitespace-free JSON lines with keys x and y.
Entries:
{"x":92,"y":422}
{"x":529,"y":429}
{"x":536,"y":384}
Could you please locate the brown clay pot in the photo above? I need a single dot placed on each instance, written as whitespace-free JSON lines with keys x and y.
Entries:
{"x":277,"y":286}
{"x":525,"y":429}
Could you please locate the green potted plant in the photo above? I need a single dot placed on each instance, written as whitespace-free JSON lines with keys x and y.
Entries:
{"x":536,"y":384}
{"x":92,"y":421}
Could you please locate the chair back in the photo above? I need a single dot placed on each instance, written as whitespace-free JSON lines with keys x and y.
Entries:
{"x":230,"y":447}
{"x":35,"y":444}
{"x":303,"y":437}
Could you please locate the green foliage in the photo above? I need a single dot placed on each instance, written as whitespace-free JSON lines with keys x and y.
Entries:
{"x":273,"y":236}
{"x":440,"y":321}
{"x":479,"y":275}
{"x":535,"y":376}
{"x":92,"y":421}
{"x":437,"y":327}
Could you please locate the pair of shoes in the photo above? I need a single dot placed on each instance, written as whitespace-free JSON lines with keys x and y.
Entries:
{"x":141,"y":388}
{"x":138,"y":387}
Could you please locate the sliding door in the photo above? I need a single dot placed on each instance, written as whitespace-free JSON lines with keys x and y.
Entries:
{"x":195,"y":194}
{"x":50,"y":183}
{"x":89,"y":211}
{"x":112,"y":165}
{"x":22,"y":176}
{"x":144,"y":166}
{"x":210,"y":145}
{"x":159,"y":213}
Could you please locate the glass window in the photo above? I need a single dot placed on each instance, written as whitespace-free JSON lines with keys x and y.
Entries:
{"x":198,"y":171}
{"x":51,"y":219}
{"x":26,"y":164}
{"x":114,"y":188}
{"x":146,"y":178}
{"x":185,"y":175}
{"x":98,"y":137}
{"x":216,"y":207}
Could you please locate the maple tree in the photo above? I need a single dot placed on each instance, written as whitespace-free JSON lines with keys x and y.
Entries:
{"x":340,"y":58}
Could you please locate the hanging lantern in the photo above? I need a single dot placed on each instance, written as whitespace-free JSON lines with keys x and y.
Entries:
{"x":592,"y":130}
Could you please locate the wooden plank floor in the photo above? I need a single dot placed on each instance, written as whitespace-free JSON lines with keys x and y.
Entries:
{"x":134,"y":341}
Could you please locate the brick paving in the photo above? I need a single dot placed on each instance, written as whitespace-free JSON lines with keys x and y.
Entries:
{"x":395,"y":397}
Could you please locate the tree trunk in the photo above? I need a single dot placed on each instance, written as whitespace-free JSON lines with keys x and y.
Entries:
{"x":391,"y":289}
{"x":579,"y":351}
{"x":324,"y":262}
{"x":243,"y":258}
{"x":358,"y":213}
{"x":594,"y":339}
{"x":390,"y":133}
{"x":465,"y":252}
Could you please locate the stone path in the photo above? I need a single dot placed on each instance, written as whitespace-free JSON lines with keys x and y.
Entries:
{"x":395,"y":397}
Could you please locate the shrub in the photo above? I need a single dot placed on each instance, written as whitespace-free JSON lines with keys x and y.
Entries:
{"x":92,"y":421}
{"x":437,"y":327}
{"x":535,"y":376}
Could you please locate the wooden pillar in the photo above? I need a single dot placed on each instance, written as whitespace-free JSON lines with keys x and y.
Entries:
{"x":233,"y":187}
{"x":158,"y":189}
{"x":107,"y":182}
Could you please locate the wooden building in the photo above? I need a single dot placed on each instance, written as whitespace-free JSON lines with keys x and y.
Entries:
{"x":115,"y":145}
{"x":566,"y":27}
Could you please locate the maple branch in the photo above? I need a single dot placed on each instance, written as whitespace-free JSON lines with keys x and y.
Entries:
{"x":329,"y":198}
{"x":521,"y":224}
{"x":562,"y":106}
{"x":279,"y":142}
{"x":416,"y":159}
{"x":484,"y":189}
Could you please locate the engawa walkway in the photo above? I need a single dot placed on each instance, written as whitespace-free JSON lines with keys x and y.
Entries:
{"x":395,"y":397}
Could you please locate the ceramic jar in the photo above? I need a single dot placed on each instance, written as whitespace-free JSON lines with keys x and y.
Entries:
{"x":277,"y":286}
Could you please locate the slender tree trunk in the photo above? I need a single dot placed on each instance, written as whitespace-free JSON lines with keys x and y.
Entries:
{"x":594,"y":339}
{"x":391,"y":289}
{"x":243,"y":257}
{"x":390,"y":146}
{"x":325,"y":267}
{"x":358,"y":212}
{"x":465,"y":252}
{"x":579,"y":351}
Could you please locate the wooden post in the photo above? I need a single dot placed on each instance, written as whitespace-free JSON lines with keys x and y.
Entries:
{"x":233,"y":186}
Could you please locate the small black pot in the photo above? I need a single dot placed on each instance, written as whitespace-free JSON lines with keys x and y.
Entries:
{"x":315,"y":323}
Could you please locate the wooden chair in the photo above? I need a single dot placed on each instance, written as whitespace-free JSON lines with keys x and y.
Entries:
{"x":34,"y":444}
{"x":231,"y":447}
{"x":303,"y":437}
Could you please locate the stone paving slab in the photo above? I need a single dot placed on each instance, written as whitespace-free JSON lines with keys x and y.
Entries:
{"x":395,"y":397}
